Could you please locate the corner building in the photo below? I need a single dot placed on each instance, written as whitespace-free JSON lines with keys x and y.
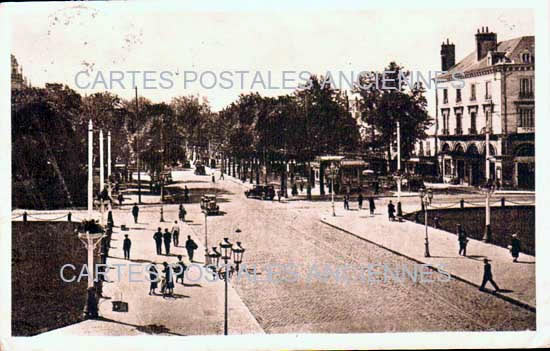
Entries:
{"x":498,"y":99}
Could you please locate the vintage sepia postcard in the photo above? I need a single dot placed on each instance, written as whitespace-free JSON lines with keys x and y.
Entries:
{"x":276,"y":175}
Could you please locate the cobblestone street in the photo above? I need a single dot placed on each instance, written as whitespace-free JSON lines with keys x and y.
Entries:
{"x":291,"y":233}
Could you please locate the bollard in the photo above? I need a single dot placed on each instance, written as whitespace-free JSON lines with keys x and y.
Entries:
{"x":161,"y":215}
{"x":461,"y":203}
{"x":25,"y":217}
{"x":503,"y":202}
{"x":69,"y":217}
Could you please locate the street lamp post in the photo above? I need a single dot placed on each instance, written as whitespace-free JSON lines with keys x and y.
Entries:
{"x":399,"y":211}
{"x":206,"y":253}
{"x":489,"y":189}
{"x":426,"y":198}
{"x":90,"y":169}
{"x":333,"y":172}
{"x":227,"y":252}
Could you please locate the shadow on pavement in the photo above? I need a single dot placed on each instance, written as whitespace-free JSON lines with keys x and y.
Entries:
{"x":148,"y":329}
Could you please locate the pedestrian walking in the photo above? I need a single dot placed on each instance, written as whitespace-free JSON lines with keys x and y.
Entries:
{"x":487,"y":276}
{"x":176,"y":233}
{"x":180,"y":270}
{"x":462,"y":239}
{"x":301,"y":187}
{"x":391,"y":211}
{"x":346,"y":202}
{"x":120,"y":199}
{"x":213,"y":178}
{"x":167,"y":236}
{"x":515,"y":247}
{"x":372,"y":207}
{"x":182,"y":213}
{"x":186,"y":194}
{"x":279,"y":193}
{"x":127,"y":243}
{"x":190,"y":246}
{"x":167,"y":287}
{"x":360,"y":201}
{"x":158,"y":240}
{"x":135,"y":212}
{"x":153,"y":278}
{"x":110,"y":220}
{"x":221,"y":175}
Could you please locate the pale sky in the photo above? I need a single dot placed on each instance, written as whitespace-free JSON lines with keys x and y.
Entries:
{"x":53,"y":42}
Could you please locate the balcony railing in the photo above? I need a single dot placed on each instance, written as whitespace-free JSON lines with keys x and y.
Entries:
{"x":458,"y":99}
{"x":472,"y":131}
{"x":473,"y":98}
{"x":445,"y":132}
{"x":488,"y":98}
{"x":525,"y":94}
{"x":458,"y":131}
{"x":445,"y":100}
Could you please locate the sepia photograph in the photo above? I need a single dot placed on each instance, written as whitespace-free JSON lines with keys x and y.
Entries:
{"x":184,"y":170}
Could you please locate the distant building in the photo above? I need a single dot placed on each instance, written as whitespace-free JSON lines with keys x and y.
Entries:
{"x":498,"y":98}
{"x":18,"y":81}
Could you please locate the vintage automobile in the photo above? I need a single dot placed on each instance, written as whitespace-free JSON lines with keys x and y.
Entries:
{"x":261,"y":191}
{"x":199,"y":168}
{"x":209,"y":204}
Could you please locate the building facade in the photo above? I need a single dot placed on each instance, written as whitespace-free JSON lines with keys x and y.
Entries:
{"x":485,"y":105}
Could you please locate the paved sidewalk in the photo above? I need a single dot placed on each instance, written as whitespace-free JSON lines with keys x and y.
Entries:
{"x":196,"y":309}
{"x":407,"y":239}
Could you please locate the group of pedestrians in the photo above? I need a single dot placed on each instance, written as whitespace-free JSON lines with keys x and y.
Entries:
{"x":514,"y":248}
{"x":360,"y":200}
{"x":167,"y":281}
{"x":167,"y":237}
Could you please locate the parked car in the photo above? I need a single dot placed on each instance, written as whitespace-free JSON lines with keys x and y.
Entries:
{"x":261,"y":191}
{"x":209,"y":204}
{"x":199,"y":168}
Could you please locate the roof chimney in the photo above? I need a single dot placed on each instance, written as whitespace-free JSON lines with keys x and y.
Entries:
{"x":485,"y":41}
{"x":447,"y":55}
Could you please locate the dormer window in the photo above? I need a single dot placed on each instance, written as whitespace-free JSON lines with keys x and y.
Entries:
{"x":526,"y":57}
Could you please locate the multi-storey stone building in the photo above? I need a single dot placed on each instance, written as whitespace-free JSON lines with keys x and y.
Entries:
{"x":494,"y":94}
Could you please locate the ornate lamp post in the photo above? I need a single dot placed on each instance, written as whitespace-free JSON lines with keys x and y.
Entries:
{"x":91,"y":236}
{"x":399,"y":212}
{"x":206,"y":253}
{"x":333,"y":170}
{"x":426,"y":199}
{"x":228,"y":251}
{"x":489,"y":189}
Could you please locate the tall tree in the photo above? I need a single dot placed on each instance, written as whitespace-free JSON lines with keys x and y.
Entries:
{"x":386,"y":99}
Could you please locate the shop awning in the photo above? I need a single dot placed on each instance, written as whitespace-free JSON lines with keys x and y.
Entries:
{"x":353,"y":163}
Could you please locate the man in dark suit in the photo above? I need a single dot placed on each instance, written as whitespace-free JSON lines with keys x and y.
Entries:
{"x":487,"y":276}
{"x":126,"y":247}
{"x":135,"y":212}
{"x":190,"y":246}
{"x":158,"y":241}
{"x":391,"y":211}
{"x":167,"y":236}
{"x":462,"y":239}
{"x":180,"y":269}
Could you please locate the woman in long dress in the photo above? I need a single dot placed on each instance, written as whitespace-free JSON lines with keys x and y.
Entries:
{"x":153,"y":278}
{"x":168,"y":280}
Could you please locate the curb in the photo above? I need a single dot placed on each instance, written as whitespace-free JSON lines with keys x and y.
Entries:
{"x":509,"y":299}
